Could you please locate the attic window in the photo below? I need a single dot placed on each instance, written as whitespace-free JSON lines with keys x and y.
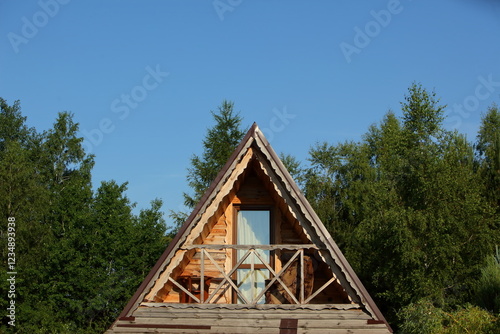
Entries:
{"x":253,"y":228}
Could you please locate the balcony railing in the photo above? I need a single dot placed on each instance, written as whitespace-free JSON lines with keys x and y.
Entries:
{"x":256,"y":259}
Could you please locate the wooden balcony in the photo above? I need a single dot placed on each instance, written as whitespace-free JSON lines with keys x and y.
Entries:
{"x":295,"y":268}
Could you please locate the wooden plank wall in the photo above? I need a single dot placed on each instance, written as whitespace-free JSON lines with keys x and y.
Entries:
{"x":216,"y":234}
{"x":242,"y":321}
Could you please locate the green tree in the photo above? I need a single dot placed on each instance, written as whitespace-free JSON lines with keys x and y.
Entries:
{"x":406,"y":206}
{"x":24,"y":198}
{"x":218,"y":145}
{"x":220,"y":141}
{"x":487,"y":289}
{"x":80,"y":254}
{"x":13,"y":126}
{"x":423,"y":317}
{"x":422,"y":115}
{"x":444,"y":225}
{"x":488,"y":151}
{"x":294,"y":167}
{"x":149,"y":229}
{"x":65,"y":171}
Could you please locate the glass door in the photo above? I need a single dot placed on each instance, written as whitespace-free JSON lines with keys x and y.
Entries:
{"x":253,"y":228}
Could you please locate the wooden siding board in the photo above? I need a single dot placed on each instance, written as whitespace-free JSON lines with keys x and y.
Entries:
{"x":222,"y":313}
{"x":243,"y":330}
{"x":249,"y":320}
{"x":353,"y":322}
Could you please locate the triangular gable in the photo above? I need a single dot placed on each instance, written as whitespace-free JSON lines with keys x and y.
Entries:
{"x":253,"y":155}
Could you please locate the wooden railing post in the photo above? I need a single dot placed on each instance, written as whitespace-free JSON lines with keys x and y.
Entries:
{"x":302,"y":273}
{"x":252,"y":276}
{"x":202,"y":276}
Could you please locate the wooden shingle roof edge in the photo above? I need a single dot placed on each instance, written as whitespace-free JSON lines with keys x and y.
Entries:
{"x":255,"y":136}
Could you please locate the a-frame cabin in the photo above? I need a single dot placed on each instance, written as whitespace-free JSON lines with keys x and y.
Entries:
{"x":253,"y":257}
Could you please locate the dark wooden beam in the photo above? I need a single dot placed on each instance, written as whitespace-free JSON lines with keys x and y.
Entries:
{"x":289,"y":326}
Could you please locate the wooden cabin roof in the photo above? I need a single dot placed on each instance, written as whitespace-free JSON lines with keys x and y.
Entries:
{"x":361,"y":315}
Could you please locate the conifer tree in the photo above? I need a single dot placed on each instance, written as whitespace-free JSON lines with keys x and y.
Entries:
{"x":220,"y":141}
{"x":218,"y":145}
{"x":407,"y":205}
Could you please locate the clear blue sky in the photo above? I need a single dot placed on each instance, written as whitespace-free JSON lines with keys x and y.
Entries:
{"x":142,"y":76}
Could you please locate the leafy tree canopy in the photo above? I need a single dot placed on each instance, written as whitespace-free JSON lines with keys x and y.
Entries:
{"x":408,"y":204}
{"x":80,"y":253}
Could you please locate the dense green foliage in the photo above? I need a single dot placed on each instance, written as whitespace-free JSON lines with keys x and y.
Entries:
{"x":423,"y":317}
{"x":415,"y":208}
{"x":80,"y":254}
{"x":487,"y":289}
